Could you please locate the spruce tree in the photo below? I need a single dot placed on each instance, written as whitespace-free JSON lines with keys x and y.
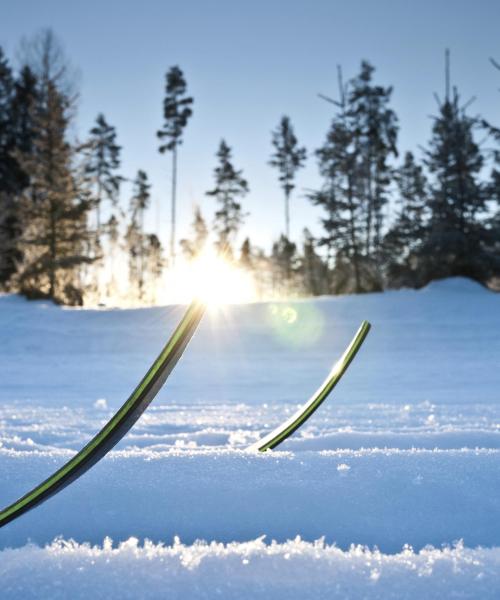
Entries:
{"x":339,"y":195}
{"x":177,"y":109}
{"x":288,"y":158}
{"x":9,"y":169}
{"x":375,"y":128}
{"x":54,"y":209}
{"x":135,"y":235}
{"x":229,"y":187}
{"x":194,"y":246}
{"x":313,"y":268}
{"x":403,"y":242}
{"x":102,"y":163}
{"x":354,"y":164}
{"x":17,"y":105}
{"x":457,"y":237}
{"x":284,"y":263}
{"x":246,"y":261}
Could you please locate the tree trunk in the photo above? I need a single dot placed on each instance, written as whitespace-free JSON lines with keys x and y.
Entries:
{"x":173,"y":207}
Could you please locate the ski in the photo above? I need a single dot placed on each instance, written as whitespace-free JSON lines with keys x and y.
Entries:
{"x":285,"y":430}
{"x":118,"y":425}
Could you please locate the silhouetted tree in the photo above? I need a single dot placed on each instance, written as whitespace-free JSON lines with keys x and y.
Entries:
{"x":194,"y":246}
{"x":288,"y":157}
{"x":229,"y":186}
{"x":403,"y":242}
{"x":54,"y":211}
{"x":135,"y":234}
{"x":353,"y":163}
{"x":102,"y":163}
{"x":455,"y":242}
{"x":176,"y":113}
{"x":313,"y":268}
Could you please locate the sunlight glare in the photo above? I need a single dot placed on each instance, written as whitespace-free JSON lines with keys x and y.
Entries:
{"x":210,"y":278}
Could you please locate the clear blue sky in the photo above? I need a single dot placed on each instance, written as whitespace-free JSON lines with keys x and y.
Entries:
{"x":249,"y":62}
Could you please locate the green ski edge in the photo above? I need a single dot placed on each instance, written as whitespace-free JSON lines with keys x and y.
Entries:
{"x":281,"y":433}
{"x":119,"y":424}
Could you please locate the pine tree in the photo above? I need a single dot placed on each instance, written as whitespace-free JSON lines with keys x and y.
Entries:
{"x":403,"y":242}
{"x":457,"y":236}
{"x":339,"y":197}
{"x":54,"y":211}
{"x":229,"y":186}
{"x":17,"y":104}
{"x":193,"y":247}
{"x":313,"y":268}
{"x":176,"y":113}
{"x":354,"y":164}
{"x":153,"y":267}
{"x":135,"y":235}
{"x":288,"y":158}
{"x":9,"y":170}
{"x":246,"y":261}
{"x":284,"y":265}
{"x":493,"y":186}
{"x":102,"y":163}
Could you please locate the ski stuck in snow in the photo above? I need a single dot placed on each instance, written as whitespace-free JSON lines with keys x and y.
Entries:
{"x":124,"y":419}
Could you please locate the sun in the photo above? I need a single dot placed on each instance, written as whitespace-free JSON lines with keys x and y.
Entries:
{"x":210,"y":278}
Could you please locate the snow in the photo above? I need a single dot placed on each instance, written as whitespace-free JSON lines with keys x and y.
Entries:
{"x":404,"y":452}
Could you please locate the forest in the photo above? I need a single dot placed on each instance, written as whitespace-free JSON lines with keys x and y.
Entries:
{"x":388,"y":218}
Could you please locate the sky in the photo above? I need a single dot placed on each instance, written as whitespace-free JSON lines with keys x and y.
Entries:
{"x":247,"y":63}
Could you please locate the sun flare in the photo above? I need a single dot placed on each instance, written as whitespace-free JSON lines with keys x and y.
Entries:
{"x":210,"y":278}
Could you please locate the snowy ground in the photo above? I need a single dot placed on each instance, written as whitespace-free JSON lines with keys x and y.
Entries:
{"x":404,"y":454}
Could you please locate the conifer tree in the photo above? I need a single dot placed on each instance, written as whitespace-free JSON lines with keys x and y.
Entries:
{"x":17,"y":140}
{"x":456,"y":239}
{"x":284,"y":263}
{"x":375,"y":128}
{"x":103,"y":161}
{"x":229,"y":187}
{"x":313,"y":268}
{"x":403,"y":242}
{"x":9,"y":175}
{"x":135,"y":235}
{"x":177,"y":109}
{"x":288,"y":158}
{"x":54,"y":210}
{"x":246,"y":261}
{"x":356,"y":174}
{"x":194,"y":247}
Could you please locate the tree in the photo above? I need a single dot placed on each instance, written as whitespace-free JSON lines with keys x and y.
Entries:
{"x":176,"y":113}
{"x":229,"y":187}
{"x":9,"y":175}
{"x":246,"y":261}
{"x":284,"y":263}
{"x":17,"y":140}
{"x":54,"y":211}
{"x":288,"y":158}
{"x":194,"y":247}
{"x":102,"y":163}
{"x":135,"y":235}
{"x":403,"y":242}
{"x":457,"y":236}
{"x":353,"y":163}
{"x":313,"y":268}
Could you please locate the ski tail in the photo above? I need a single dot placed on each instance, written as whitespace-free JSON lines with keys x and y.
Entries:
{"x":282,"y":432}
{"x":119,"y":424}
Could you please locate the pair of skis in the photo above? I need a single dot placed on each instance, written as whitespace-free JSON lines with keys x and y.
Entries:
{"x":118,"y":426}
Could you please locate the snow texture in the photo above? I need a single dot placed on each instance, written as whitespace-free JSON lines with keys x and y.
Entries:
{"x":405,"y":451}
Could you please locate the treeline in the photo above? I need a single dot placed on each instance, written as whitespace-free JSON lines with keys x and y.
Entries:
{"x":388,"y":220}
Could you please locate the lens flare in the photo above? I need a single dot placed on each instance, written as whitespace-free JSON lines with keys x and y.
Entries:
{"x":296,"y":326}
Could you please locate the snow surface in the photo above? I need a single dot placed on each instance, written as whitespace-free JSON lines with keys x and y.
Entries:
{"x":405,"y":452}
